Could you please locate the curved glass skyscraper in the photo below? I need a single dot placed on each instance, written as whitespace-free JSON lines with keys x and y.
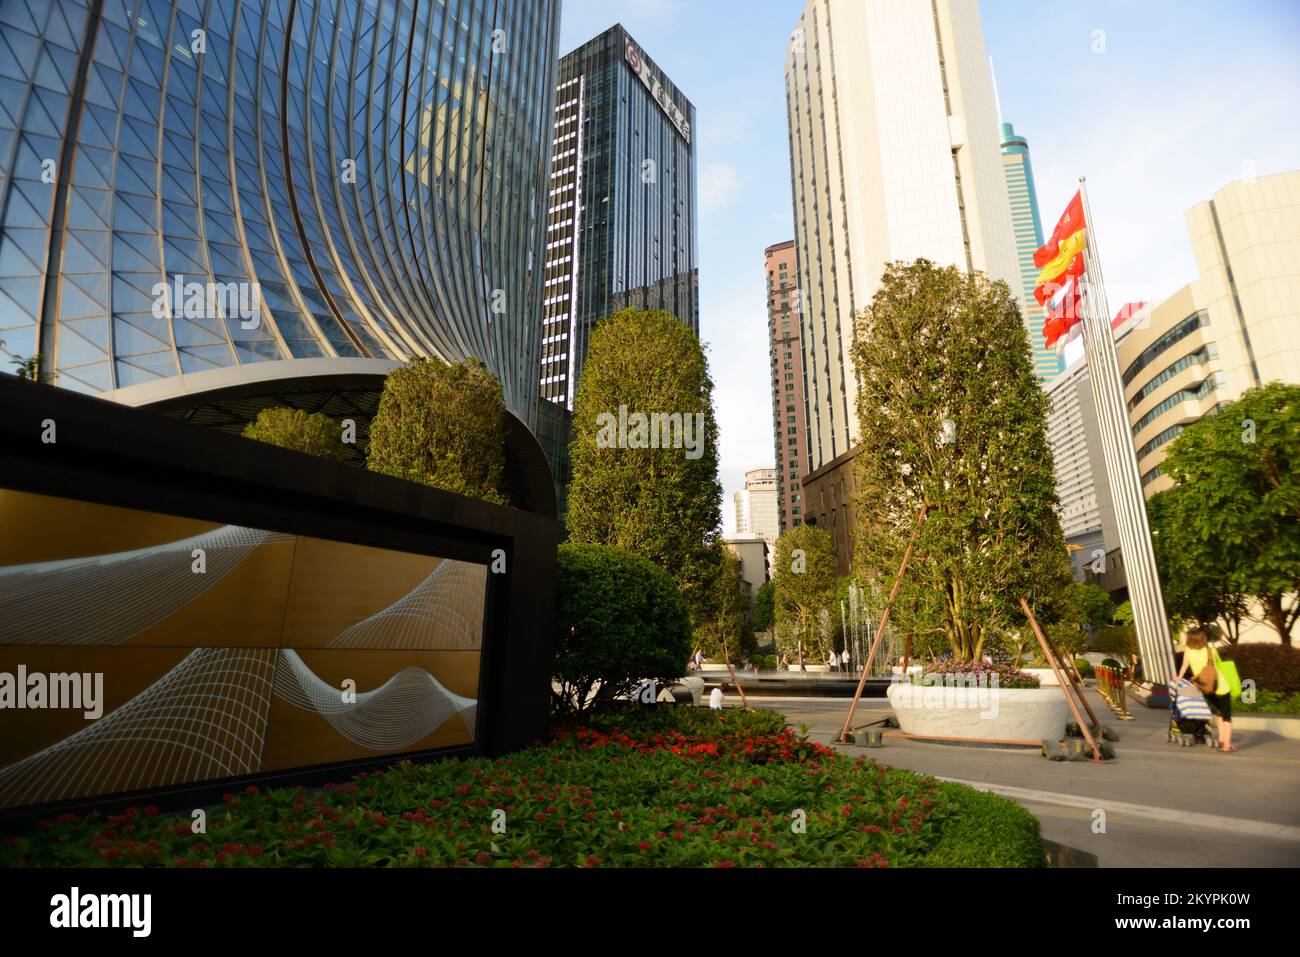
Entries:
{"x":229,"y":198}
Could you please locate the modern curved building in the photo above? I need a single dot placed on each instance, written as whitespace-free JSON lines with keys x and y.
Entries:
{"x":210,"y":206}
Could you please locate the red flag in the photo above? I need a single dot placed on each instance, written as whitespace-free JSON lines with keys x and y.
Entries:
{"x":1045,"y":291}
{"x":1070,"y":222}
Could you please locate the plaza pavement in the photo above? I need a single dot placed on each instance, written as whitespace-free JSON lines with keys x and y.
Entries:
{"x":1166,"y":806}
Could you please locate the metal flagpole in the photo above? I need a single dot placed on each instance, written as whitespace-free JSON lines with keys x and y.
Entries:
{"x":1121,"y":466}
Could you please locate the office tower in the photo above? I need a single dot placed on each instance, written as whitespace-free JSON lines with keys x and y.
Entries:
{"x":757,"y":511}
{"x":790,"y":433}
{"x":894,"y":155}
{"x":621,"y":210}
{"x":1086,"y":512}
{"x":1231,"y":329}
{"x":332,"y":188}
{"x":1028,"y":228}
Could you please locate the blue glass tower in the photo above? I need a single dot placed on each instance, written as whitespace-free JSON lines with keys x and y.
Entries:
{"x":333,"y":187}
{"x":1028,"y":228}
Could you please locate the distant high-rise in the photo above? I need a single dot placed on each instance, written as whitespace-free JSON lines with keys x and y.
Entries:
{"x":622,"y":206}
{"x":790,"y":430}
{"x":1028,"y":227}
{"x":757,"y":513}
{"x":893,"y":156}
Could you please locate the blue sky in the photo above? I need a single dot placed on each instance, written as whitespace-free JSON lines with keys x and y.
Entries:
{"x":1187,"y":96}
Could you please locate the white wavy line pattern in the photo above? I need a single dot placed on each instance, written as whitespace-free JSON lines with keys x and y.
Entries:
{"x":109,"y":599}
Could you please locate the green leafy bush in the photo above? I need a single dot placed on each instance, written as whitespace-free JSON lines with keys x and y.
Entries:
{"x":1274,"y":667}
{"x":1271,"y":702}
{"x":1084,"y":666}
{"x":690,"y":789}
{"x":995,"y":675}
{"x":444,"y":426}
{"x":620,"y":619}
{"x":315,"y":434}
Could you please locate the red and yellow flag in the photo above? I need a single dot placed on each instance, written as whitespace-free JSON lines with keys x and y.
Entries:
{"x":1060,"y":261}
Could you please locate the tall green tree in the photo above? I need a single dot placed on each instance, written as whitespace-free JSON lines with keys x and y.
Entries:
{"x":645,"y":449}
{"x":803,"y":569}
{"x":442,"y":425}
{"x":950,"y":413}
{"x":764,"y":606}
{"x":1230,"y":526}
{"x":1194,"y":580}
{"x":315,"y":434}
{"x":726,"y":610}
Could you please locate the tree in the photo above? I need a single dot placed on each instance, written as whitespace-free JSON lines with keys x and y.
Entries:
{"x":1194,"y":581}
{"x":620,"y":620}
{"x":315,"y":434}
{"x":951,"y":414}
{"x":442,"y":425}
{"x":1083,"y":610}
{"x":803,"y":569}
{"x":1236,"y":505}
{"x":764,"y":607}
{"x":726,"y":611}
{"x":645,"y":449}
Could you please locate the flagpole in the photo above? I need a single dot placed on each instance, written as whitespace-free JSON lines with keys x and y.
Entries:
{"x":1121,"y":466}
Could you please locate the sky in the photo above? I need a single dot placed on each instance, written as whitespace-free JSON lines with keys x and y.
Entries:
{"x":1159,"y":104}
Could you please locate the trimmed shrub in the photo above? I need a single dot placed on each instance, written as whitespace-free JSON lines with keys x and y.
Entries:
{"x":444,"y":426}
{"x":1084,"y":666}
{"x":315,"y":434}
{"x":985,"y":831}
{"x":620,"y":619}
{"x":1275,"y":667}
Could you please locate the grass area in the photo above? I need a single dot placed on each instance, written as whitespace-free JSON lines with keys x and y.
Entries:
{"x":1270,"y":702}
{"x":671,"y":788}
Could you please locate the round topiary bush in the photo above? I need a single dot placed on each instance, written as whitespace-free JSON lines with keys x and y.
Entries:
{"x":620,"y":619}
{"x":315,"y":434}
{"x":1084,"y":666}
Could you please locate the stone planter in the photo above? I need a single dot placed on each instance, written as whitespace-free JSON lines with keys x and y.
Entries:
{"x":1002,"y":714}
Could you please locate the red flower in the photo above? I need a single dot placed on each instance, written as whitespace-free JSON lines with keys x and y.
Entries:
{"x":645,"y":846}
{"x":421,"y":852}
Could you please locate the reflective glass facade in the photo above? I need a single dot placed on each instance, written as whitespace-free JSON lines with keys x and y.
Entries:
{"x":1029,"y":237}
{"x":621,"y":202}
{"x":359,"y":181}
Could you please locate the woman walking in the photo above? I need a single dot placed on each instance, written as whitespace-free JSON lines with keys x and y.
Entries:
{"x":1200,"y":660}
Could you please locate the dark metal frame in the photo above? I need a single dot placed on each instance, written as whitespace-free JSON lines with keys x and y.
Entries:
{"x":137,"y":459}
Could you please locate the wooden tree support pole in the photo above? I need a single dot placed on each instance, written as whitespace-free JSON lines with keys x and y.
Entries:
{"x":880,"y":630}
{"x":734,"y":680}
{"x":1063,"y":681}
{"x":1076,"y":682}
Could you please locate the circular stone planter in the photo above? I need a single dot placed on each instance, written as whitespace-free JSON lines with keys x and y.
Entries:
{"x":1001,"y":714}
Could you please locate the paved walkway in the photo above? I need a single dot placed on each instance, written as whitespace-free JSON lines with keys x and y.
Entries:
{"x":1165,"y":806}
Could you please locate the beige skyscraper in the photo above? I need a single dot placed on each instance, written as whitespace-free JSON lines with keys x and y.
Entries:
{"x":757,"y":509}
{"x":1235,"y":327}
{"x":894,"y":154}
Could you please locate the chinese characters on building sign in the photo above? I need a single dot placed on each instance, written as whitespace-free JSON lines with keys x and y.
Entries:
{"x":661,"y":96}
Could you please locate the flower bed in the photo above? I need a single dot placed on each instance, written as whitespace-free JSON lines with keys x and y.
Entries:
{"x":676,"y":788}
{"x":1007,"y":675}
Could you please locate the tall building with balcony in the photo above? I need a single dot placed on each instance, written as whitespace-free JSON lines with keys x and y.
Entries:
{"x":1028,"y":226}
{"x":894,"y":155}
{"x":789,"y":415}
{"x":621,"y":205}
{"x":1231,"y":329}
{"x":211,"y":208}
{"x":757,"y":511}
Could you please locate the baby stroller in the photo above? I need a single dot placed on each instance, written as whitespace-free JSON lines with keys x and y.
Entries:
{"x":1189,"y":720}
